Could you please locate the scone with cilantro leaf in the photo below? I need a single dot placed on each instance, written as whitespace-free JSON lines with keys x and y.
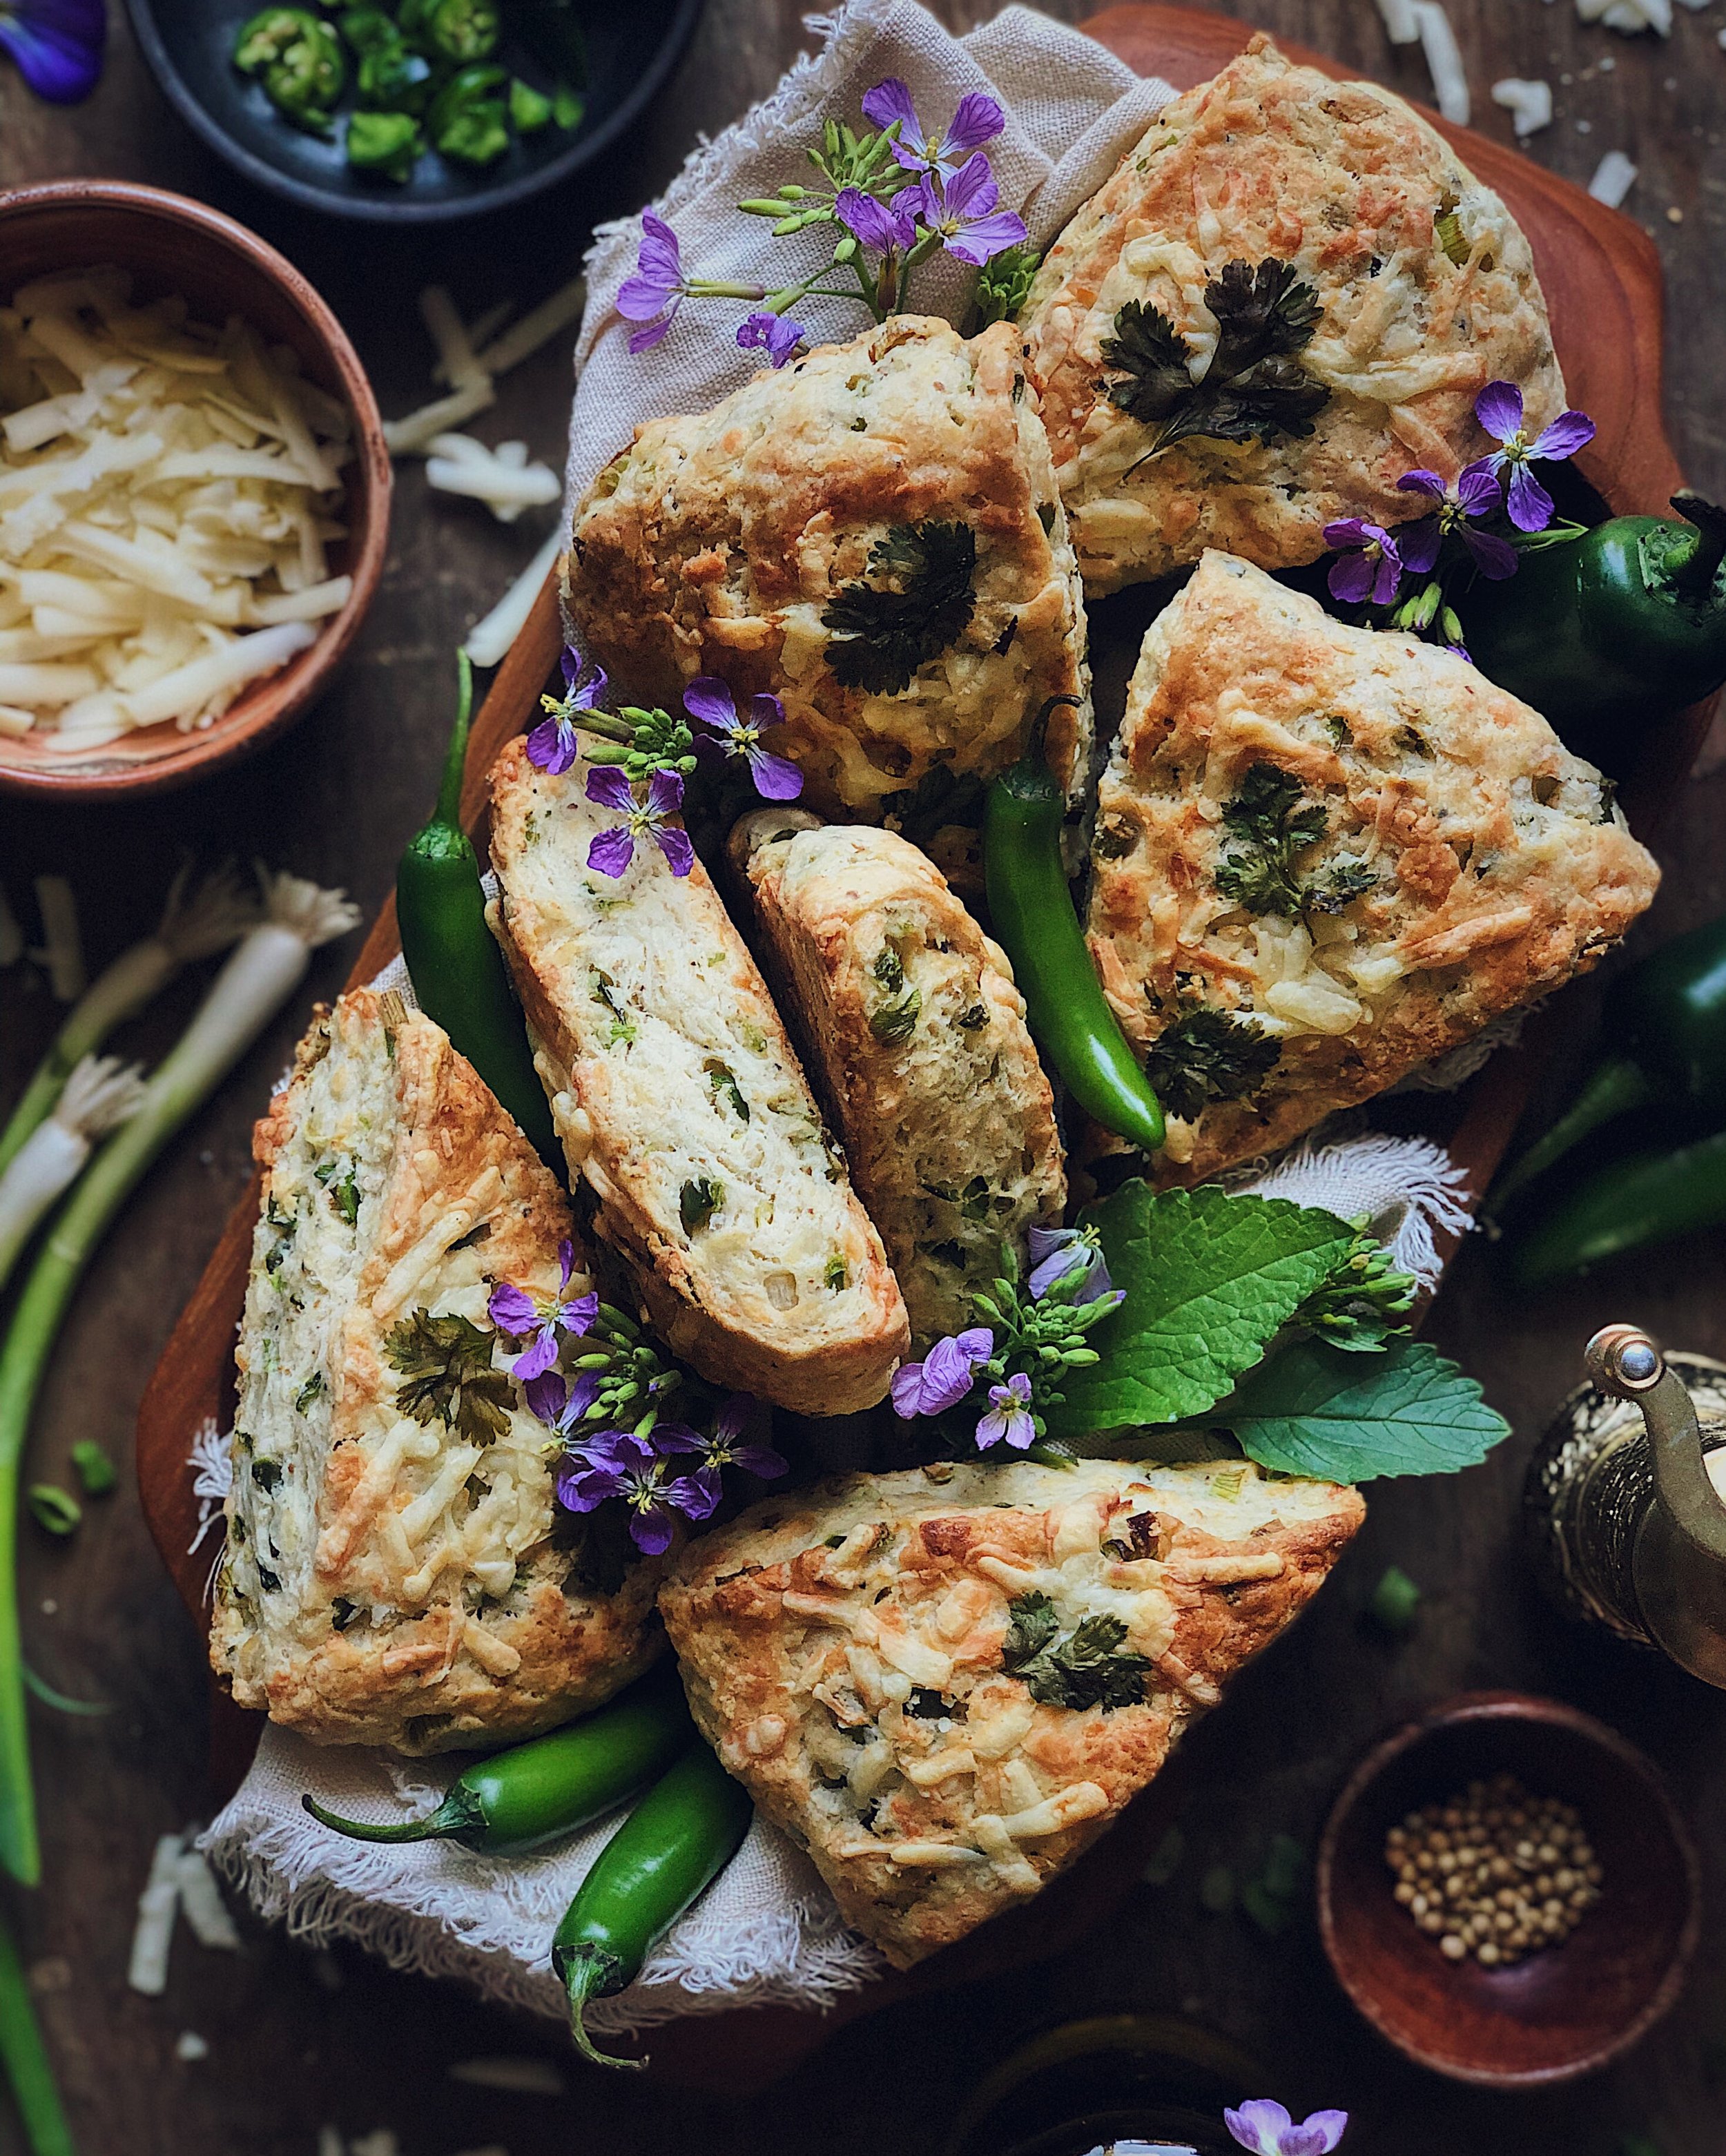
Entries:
{"x":396,"y":1572}
{"x":1324,"y":856}
{"x":1289,"y":294}
{"x":919,"y":1039}
{"x":873,"y":535}
{"x":945,"y":1689}
{"x":680,"y":1103}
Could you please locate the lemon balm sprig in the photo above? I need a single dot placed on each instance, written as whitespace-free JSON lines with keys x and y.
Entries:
{"x":260,"y":974}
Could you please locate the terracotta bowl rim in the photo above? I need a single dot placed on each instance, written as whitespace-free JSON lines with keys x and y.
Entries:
{"x":1502,"y":1706}
{"x":239,"y":733}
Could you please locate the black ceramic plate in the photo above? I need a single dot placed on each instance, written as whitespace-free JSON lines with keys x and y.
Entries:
{"x":189,"y":44}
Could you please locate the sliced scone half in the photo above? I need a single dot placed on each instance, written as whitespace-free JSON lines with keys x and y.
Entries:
{"x":946,"y":1690}
{"x":872,"y":534}
{"x":1324,"y":856}
{"x":1289,"y":293}
{"x":679,"y":1101}
{"x":909,"y":1015}
{"x":396,"y":1571}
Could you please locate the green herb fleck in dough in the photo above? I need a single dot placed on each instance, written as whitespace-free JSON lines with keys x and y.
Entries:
{"x":308,"y":1392}
{"x":267,"y":1474}
{"x":723,"y":1080}
{"x":698,"y":1201}
{"x":838,"y":1274}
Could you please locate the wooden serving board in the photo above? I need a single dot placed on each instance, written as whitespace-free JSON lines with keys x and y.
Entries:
{"x":1602,"y":279}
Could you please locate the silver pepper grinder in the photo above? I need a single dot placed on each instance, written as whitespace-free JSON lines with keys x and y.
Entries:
{"x":1625,"y":1501}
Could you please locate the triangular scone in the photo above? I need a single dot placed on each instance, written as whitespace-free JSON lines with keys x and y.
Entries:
{"x":1427,"y":289}
{"x":396,"y":1572}
{"x":908,"y":461}
{"x":945,"y":1684}
{"x":919,"y":1036}
{"x":1324,"y":856}
{"x":680,"y":1101}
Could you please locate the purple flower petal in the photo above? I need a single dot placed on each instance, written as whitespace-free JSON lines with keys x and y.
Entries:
{"x":583,"y":1487}
{"x":1422,"y":482}
{"x":569,"y":664}
{"x":511,"y":1309}
{"x":695,"y":1496}
{"x":659,"y":255}
{"x":906,"y":1391}
{"x":1258,"y":2125}
{"x":552,"y":746}
{"x":545,"y":1396}
{"x":675,"y":845}
{"x":665,"y":793}
{"x":566,"y":1261}
{"x":761,"y":1459}
{"x":873,"y":223}
{"x":1419,"y":544}
{"x":1499,"y":409}
{"x":1530,"y":505}
{"x":765,"y":710}
{"x":669,"y":1437}
{"x":1387,"y":575}
{"x":978,"y":121}
{"x":576,"y":1316}
{"x":891,"y":100}
{"x":644,"y":340}
{"x":1330,"y":2125}
{"x":539,"y":1356}
{"x":1350,"y":578}
{"x":971,"y":191}
{"x":989,"y":236}
{"x":58,"y":46}
{"x":776,"y":778}
{"x":732,"y":1418}
{"x":949,"y":1367}
{"x":651,"y":1528}
{"x":1494,"y":557}
{"x":607,"y":786}
{"x":709,"y":700}
{"x":1570,"y":432}
{"x":1478,"y":490}
{"x":611,"y":852}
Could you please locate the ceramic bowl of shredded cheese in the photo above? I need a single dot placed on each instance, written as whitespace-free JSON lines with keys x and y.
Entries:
{"x":194,"y":490}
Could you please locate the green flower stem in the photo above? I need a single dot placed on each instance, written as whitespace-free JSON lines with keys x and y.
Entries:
{"x":28,"y":2070}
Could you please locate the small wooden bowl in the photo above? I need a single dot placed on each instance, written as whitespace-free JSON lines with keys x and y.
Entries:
{"x":174,"y":245}
{"x":1568,"y":2009}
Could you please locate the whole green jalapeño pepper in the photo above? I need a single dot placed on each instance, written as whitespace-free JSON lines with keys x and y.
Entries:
{"x":298,"y":58}
{"x":1630,"y":1204}
{"x":1033,"y":917}
{"x":1664,"y":1022}
{"x":1625,"y":623}
{"x":458,"y":971}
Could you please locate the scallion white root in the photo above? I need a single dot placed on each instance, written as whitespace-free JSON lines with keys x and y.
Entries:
{"x":62,"y":951}
{"x":260,"y":974}
{"x":490,"y":638}
{"x":98,"y":1097}
{"x":197,"y":921}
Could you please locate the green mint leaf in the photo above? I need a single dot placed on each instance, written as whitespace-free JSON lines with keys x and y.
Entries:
{"x":1208,"y":1055}
{"x":1207,"y":1279}
{"x":1348,"y":1418}
{"x":915,"y":600}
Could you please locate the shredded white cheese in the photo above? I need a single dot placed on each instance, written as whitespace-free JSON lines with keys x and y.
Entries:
{"x":190,"y":2047}
{"x":502,"y":478}
{"x":1614,"y":178}
{"x":201,"y":1900}
{"x":1438,"y":41}
{"x":1629,"y":17}
{"x":62,"y":952}
{"x":490,"y":638}
{"x":167,"y":489}
{"x":1529,"y":104}
{"x":147,"y":1969}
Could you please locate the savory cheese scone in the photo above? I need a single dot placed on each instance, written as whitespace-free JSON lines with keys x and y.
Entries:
{"x":873,"y":534}
{"x":946,"y":1683}
{"x":396,"y":1572}
{"x":909,"y":1013}
{"x":1326,"y":855}
{"x":1160,"y":313}
{"x":680,"y":1101}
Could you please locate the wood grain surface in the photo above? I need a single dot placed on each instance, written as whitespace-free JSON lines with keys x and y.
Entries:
{"x":297,"y":2039}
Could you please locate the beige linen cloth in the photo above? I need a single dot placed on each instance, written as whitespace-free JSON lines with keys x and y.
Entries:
{"x":767,"y":1931}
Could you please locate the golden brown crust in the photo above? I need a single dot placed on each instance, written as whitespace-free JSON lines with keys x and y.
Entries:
{"x":714,"y":544}
{"x":844,"y":1650}
{"x":401,"y":1616}
{"x":1345,"y":182}
{"x":654,"y":1030}
{"x":914,"y":1022}
{"x":1494,"y":865}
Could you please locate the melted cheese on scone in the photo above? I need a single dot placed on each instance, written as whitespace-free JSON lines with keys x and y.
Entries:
{"x":1427,"y":288}
{"x":945,"y":1683}
{"x":717,"y":541}
{"x":391,"y":1578}
{"x":912,"y":1019}
{"x":679,"y":1100}
{"x":1443,"y":857}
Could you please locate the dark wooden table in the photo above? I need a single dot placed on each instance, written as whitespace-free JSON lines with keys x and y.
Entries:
{"x":297,"y":2039}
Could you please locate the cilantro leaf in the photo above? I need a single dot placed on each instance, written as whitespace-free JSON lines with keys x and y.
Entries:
{"x":1085,"y":1668}
{"x":1255,"y":388}
{"x":915,"y":600}
{"x":445,"y":1367}
{"x":1311,"y":1411}
{"x":1270,"y":824}
{"x":1208,"y":1055}
{"x":1207,"y":1279}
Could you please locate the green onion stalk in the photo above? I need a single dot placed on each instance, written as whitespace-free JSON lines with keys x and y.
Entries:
{"x":98,"y":1097}
{"x":260,"y":976}
{"x":27,"y":2071}
{"x":194,"y":925}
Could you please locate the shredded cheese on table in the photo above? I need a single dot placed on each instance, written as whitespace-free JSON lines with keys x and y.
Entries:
{"x":168,"y":490}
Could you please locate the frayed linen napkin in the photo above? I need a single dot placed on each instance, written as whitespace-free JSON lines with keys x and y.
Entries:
{"x":767,"y":1931}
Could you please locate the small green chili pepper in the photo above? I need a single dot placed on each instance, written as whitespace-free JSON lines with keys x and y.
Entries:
{"x":1624,"y":625}
{"x":387,"y":142}
{"x":393,"y":78}
{"x":460,"y":31}
{"x":568,"y":108}
{"x":529,"y":111}
{"x":300,"y":62}
{"x":681,"y":1835}
{"x":551,"y":1785}
{"x":1631,"y":1204}
{"x":466,"y":122}
{"x":458,"y":971}
{"x":1665,"y":1020}
{"x":54,"y":1508}
{"x":366,"y":28}
{"x":1034,"y":918}
{"x":96,"y":1471}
